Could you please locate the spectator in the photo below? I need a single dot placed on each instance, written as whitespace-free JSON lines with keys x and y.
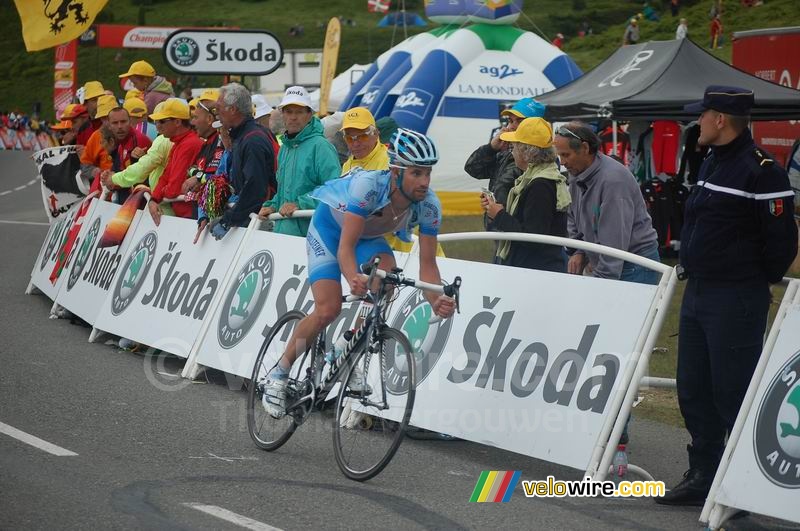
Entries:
{"x":92,"y":91}
{"x":715,"y":32}
{"x":494,"y":161}
{"x":154,"y":88}
{"x":126,"y":141}
{"x":262,"y":111}
{"x":683,"y":29}
{"x":252,"y":159}
{"x":674,"y":7}
{"x":306,"y":161}
{"x":631,"y":35}
{"x":148,"y":168}
{"x":607,"y":208}
{"x":650,"y":13}
{"x":94,"y":158}
{"x":62,"y":131}
{"x":134,"y":93}
{"x":537,"y":203}
{"x":558,"y":42}
{"x":738,"y":238}
{"x":137,"y":111}
{"x":174,"y":121}
{"x":81,"y":123}
{"x":363,"y":141}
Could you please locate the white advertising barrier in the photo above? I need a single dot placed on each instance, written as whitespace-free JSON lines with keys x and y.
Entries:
{"x":270,"y":278}
{"x":165,"y":284}
{"x":51,"y":256}
{"x":94,"y":269}
{"x":760,"y":470}
{"x":531,"y":364}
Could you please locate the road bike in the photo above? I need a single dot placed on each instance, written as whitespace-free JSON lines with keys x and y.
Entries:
{"x":369,"y":425}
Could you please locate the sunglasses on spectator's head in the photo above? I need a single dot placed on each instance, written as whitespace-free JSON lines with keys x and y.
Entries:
{"x":211,"y":111}
{"x":563,"y":131}
{"x":360,"y":137}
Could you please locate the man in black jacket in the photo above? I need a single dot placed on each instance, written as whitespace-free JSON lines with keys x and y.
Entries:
{"x":253,"y":159}
{"x":493,"y":161}
{"x":739,"y":236}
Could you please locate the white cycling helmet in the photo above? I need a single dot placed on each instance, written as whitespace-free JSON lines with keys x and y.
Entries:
{"x":409,"y":148}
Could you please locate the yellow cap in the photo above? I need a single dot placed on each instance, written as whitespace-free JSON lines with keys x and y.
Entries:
{"x":532,"y":131}
{"x":135,"y":107}
{"x":105,"y":104}
{"x":140,"y":68}
{"x":171,"y":108}
{"x":358,"y":118}
{"x":134,"y":93}
{"x":93,"y":89}
{"x":209,"y":95}
{"x":193,"y":103}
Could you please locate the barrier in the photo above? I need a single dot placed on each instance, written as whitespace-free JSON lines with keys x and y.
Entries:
{"x":540,"y":363}
{"x":760,"y":469}
{"x":94,"y":268}
{"x":165,"y":284}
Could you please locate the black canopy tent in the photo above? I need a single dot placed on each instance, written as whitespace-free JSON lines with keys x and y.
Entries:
{"x":654,"y":80}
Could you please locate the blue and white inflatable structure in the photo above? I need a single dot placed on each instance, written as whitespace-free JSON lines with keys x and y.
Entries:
{"x":452,"y":83}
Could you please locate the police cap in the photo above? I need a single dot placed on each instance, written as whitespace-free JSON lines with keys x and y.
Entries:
{"x":728,"y":100}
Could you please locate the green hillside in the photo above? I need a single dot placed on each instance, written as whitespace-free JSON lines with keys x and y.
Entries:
{"x":28,"y":76}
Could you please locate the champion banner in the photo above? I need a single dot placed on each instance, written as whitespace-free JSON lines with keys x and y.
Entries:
{"x":48,"y":23}
{"x":62,"y":186}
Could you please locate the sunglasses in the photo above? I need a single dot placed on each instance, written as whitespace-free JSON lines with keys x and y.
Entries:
{"x":360,"y":137}
{"x":211,"y":111}
{"x":563,"y":131}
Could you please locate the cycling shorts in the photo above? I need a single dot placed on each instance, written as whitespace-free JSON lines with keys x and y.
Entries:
{"x":322,"y":244}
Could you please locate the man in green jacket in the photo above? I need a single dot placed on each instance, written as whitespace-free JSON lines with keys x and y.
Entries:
{"x":306,"y":160}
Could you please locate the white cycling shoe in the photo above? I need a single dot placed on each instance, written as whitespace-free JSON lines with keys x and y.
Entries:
{"x":358,"y":382}
{"x":274,"y":397}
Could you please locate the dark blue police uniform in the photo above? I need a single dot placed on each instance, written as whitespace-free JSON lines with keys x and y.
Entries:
{"x":739,"y":236}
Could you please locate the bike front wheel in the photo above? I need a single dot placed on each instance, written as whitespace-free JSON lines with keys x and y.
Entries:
{"x":370,"y":424}
{"x":270,"y":433}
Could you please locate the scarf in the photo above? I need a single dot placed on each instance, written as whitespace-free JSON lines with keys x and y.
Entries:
{"x":537,"y":171}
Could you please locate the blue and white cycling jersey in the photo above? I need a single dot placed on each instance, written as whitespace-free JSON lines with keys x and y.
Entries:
{"x":364,"y":193}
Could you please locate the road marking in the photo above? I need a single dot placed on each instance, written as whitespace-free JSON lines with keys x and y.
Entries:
{"x":226,"y":459}
{"x":21,"y":187}
{"x":229,"y":516}
{"x":12,"y":222}
{"x":18,"y":188}
{"x":35,"y":441}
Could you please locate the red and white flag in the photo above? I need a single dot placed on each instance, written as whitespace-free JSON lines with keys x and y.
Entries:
{"x":378,"y":6}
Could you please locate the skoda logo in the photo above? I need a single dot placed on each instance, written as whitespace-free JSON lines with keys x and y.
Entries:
{"x":83,"y":254}
{"x":244,"y":299}
{"x":184,"y":51}
{"x":55,"y":237}
{"x":777,"y":429}
{"x":133,"y":273}
{"x":427,"y":342}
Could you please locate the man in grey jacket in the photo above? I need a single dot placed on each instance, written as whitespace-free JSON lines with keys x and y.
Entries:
{"x":607,"y":208}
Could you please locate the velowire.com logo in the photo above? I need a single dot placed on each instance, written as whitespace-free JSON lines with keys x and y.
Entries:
{"x":495,"y":486}
{"x":777,"y":427}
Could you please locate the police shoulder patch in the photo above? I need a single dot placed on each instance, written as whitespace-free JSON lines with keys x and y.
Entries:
{"x":762,"y":158}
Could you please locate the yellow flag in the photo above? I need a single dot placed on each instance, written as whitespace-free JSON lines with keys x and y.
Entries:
{"x":48,"y":23}
{"x":330,"y":56}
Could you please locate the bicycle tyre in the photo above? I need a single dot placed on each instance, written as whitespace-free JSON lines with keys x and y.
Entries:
{"x":257,"y":417}
{"x":383,"y":437}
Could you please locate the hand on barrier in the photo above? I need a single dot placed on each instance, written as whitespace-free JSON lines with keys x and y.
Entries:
{"x":155,"y":212}
{"x":217,"y":228}
{"x":265,"y":212}
{"x":576,"y":264}
{"x":287,"y":209}
{"x":201,"y":225}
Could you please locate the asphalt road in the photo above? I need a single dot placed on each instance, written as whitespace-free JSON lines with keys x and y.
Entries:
{"x":154,"y":451}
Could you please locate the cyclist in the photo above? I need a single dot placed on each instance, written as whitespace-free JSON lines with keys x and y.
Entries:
{"x":347,"y":230}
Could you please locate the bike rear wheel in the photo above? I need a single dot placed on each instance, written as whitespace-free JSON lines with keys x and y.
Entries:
{"x":270,"y":433}
{"x":369,"y":428}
